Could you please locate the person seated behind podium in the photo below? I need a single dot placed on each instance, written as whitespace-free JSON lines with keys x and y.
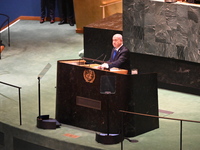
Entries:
{"x":2,"y":46}
{"x":119,"y":56}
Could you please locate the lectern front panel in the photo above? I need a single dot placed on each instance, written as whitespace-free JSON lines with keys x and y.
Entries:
{"x":79,"y":98}
{"x":82,"y":100}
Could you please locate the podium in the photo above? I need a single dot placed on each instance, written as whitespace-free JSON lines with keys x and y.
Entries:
{"x":79,"y":101}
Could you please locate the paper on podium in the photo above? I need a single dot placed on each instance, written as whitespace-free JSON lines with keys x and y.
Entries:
{"x":118,"y":70}
{"x":114,"y":69}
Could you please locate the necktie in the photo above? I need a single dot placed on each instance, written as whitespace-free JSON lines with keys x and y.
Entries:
{"x":114,"y":54}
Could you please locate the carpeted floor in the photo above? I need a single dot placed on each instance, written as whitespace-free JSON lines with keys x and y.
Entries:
{"x":33,"y":46}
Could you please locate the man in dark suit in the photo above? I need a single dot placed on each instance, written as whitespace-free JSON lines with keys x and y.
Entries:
{"x":66,"y":12}
{"x":119,"y":56}
{"x":47,"y":5}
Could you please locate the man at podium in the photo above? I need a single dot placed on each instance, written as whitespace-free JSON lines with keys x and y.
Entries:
{"x":119,"y":56}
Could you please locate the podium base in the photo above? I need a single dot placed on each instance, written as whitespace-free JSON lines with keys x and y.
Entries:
{"x":44,"y":122}
{"x":109,"y":138}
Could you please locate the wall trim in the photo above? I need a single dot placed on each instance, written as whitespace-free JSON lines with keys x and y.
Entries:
{"x":26,"y":18}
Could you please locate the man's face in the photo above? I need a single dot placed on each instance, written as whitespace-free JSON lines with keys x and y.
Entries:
{"x":116,"y":41}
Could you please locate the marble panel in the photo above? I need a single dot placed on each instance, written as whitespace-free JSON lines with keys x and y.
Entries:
{"x":164,"y":29}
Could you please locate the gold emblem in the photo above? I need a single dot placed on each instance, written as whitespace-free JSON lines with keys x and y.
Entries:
{"x":89,"y":75}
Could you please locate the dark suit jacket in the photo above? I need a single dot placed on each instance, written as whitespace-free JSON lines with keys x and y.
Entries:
{"x":1,"y":44}
{"x":121,"y":59}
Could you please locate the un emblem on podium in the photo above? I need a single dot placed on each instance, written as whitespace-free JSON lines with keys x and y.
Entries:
{"x":89,"y":75}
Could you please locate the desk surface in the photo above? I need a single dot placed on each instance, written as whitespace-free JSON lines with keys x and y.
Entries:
{"x":82,"y":62}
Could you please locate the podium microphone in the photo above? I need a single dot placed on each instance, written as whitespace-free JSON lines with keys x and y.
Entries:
{"x":98,"y":57}
{"x":104,"y":57}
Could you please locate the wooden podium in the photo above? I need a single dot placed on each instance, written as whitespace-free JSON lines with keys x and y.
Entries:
{"x":80,"y":103}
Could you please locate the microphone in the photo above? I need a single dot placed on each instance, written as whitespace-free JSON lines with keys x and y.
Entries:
{"x":90,"y":60}
{"x":104,"y":57}
{"x":98,"y":57}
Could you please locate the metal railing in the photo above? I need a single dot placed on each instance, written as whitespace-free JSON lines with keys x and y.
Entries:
{"x":168,"y":118}
{"x":6,"y":22}
{"x":19,"y":88}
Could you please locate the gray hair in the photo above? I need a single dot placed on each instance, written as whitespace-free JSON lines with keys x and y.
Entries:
{"x":118,"y":36}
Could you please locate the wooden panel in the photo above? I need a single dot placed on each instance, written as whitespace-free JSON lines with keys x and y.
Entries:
{"x":89,"y":11}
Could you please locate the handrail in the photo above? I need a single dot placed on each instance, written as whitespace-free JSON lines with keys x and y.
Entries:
{"x":20,"y":118}
{"x":147,"y":115}
{"x":10,"y":85}
{"x":7,"y":20}
{"x":134,"y":113}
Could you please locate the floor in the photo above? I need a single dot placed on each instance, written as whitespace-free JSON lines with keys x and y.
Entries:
{"x":33,"y":46}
